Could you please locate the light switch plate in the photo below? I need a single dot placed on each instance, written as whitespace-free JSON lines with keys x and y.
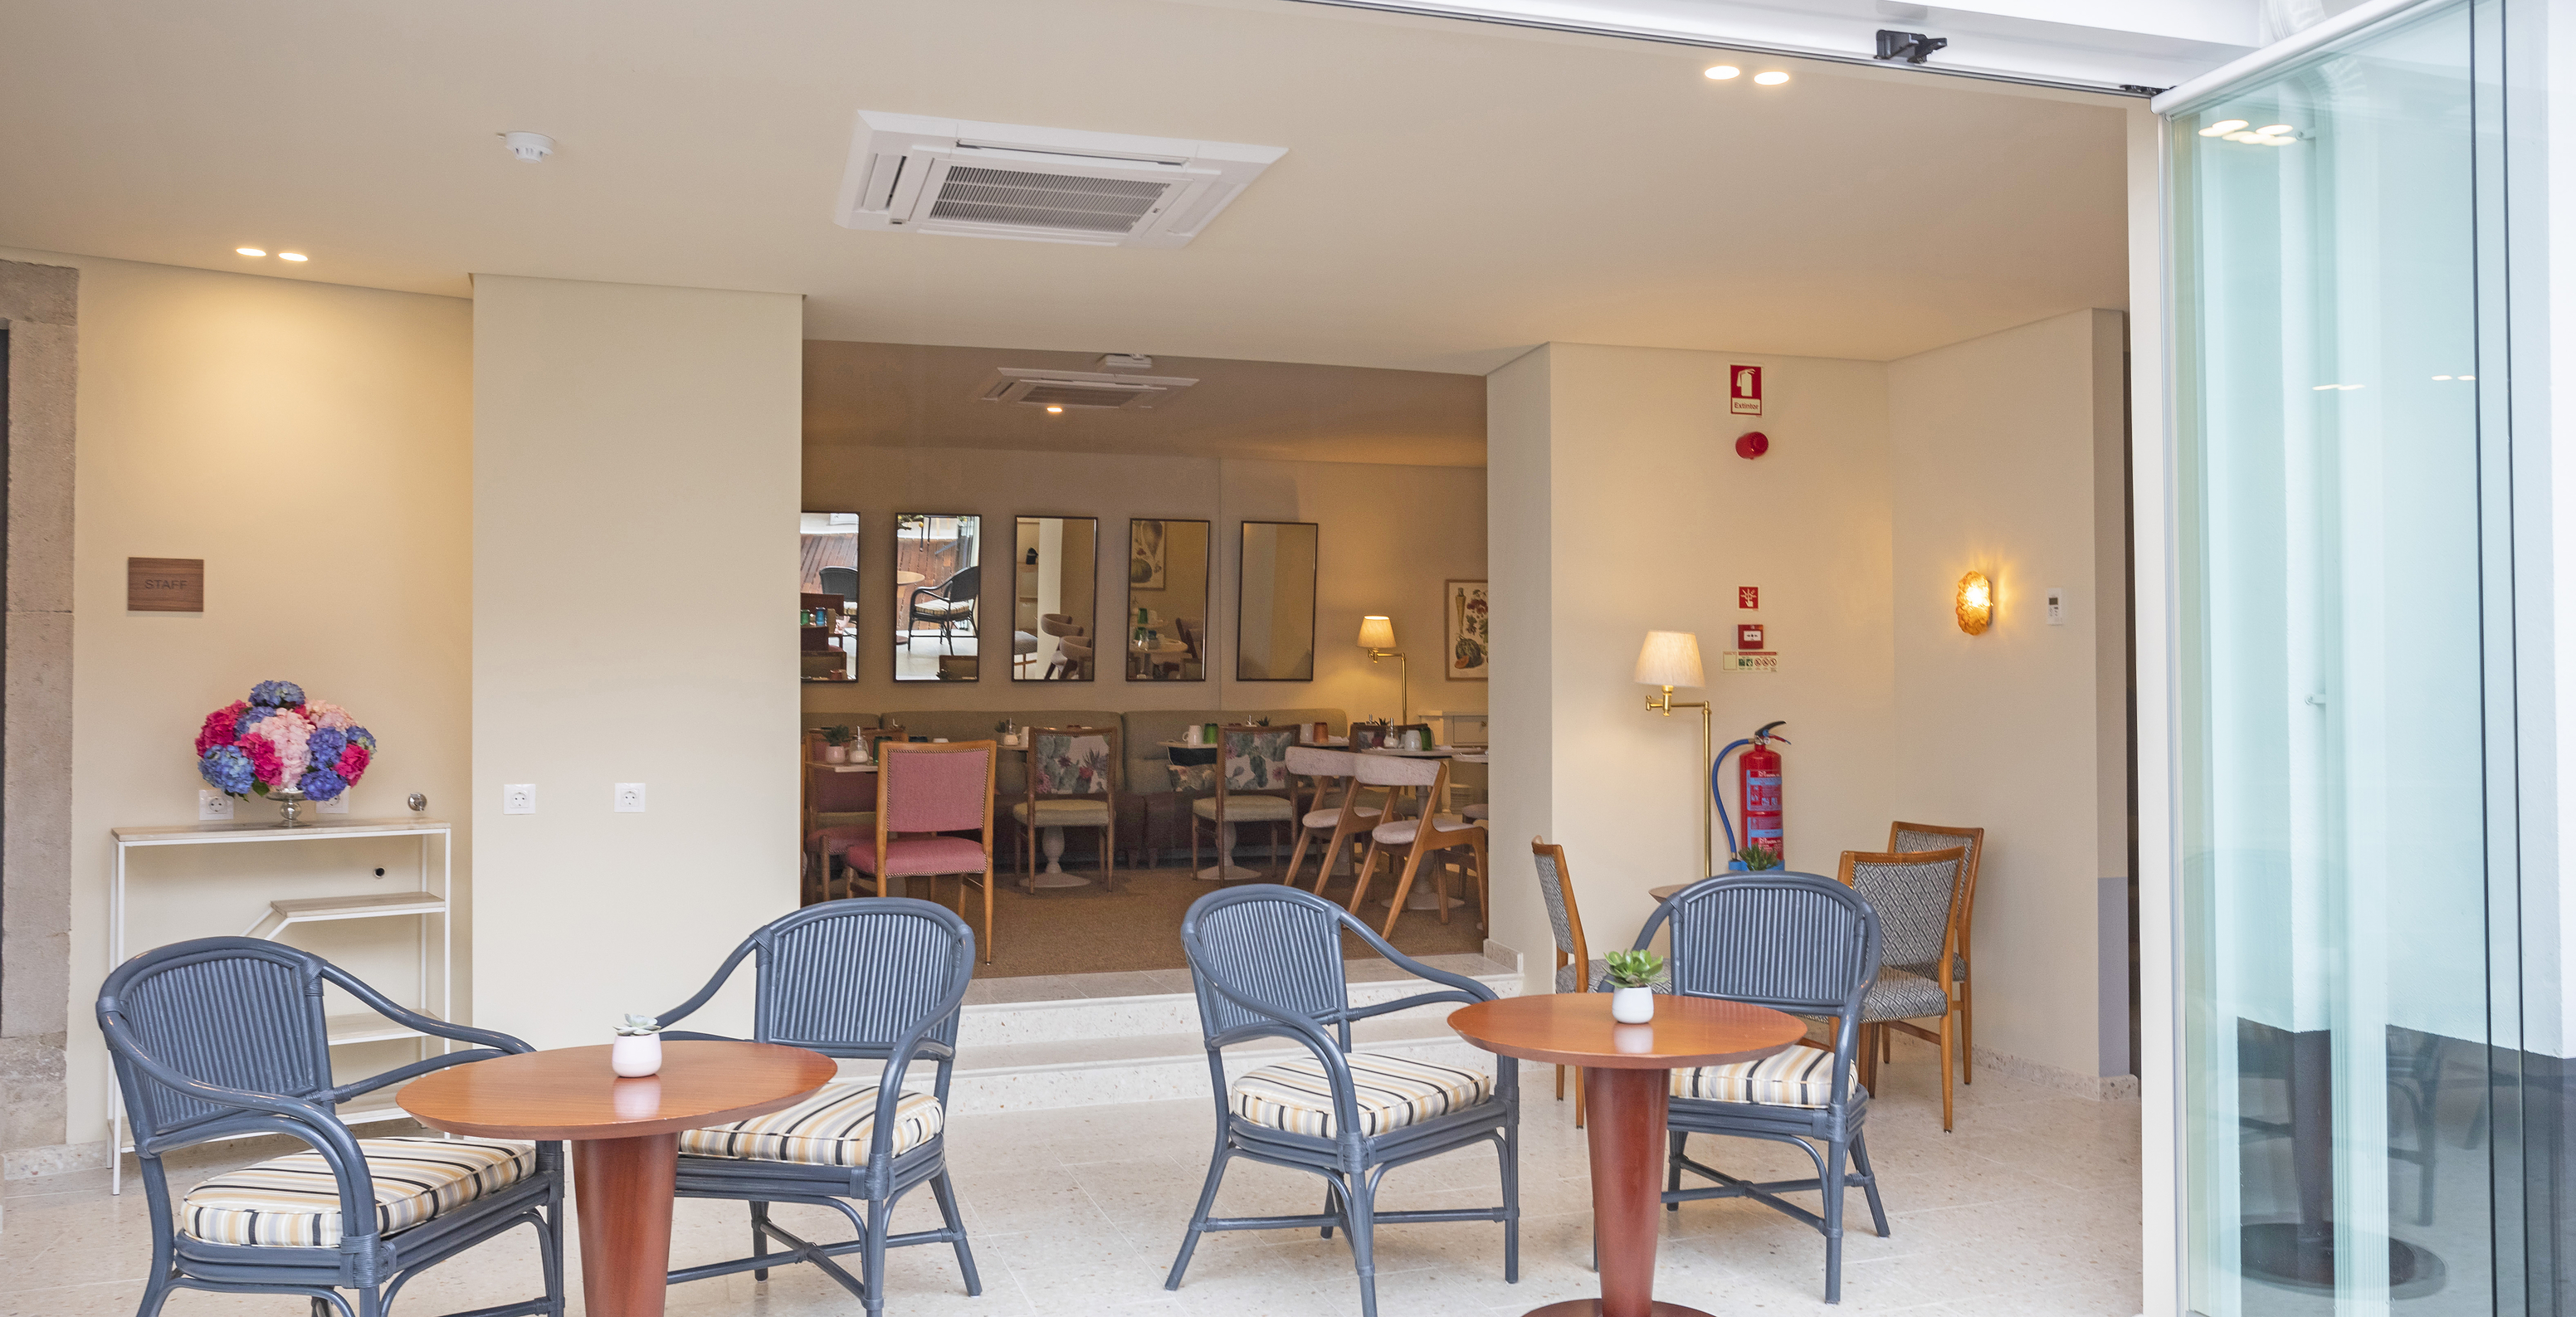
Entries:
{"x":213,"y":806}
{"x":519,"y":798}
{"x":2057,"y":605}
{"x":630,"y":798}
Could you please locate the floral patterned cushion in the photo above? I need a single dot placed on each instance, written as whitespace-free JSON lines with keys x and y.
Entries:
{"x":1194,"y":777}
{"x":1258,"y":761}
{"x":1071,"y":765}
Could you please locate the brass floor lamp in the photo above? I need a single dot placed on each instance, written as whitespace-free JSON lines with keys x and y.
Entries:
{"x":1377,"y":636}
{"x":1669,"y":659}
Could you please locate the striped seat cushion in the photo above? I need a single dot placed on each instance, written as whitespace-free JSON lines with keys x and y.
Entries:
{"x":831,"y":1128}
{"x":294,"y":1201}
{"x":1799,"y":1077}
{"x":1393,"y":1092}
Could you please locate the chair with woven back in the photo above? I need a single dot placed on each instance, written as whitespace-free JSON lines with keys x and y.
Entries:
{"x":1916,"y":896}
{"x":1577,"y":969}
{"x":1938,"y":837}
{"x":1071,"y":784}
{"x":925,"y":790}
{"x":1253,"y":785}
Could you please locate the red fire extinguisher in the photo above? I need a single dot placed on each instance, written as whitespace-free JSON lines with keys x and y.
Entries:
{"x":1757,"y":793}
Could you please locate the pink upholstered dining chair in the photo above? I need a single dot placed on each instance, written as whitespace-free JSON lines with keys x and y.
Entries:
{"x":924,"y":790}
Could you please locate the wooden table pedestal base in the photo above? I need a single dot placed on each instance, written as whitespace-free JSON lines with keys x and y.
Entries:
{"x":1626,"y":1131}
{"x":624,"y":1188}
{"x":1593,"y":1308}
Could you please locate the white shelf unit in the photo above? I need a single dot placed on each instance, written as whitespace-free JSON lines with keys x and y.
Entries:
{"x":429,"y":902}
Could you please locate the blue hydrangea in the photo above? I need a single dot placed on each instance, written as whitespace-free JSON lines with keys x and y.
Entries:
{"x":325,"y":745}
{"x":227,"y":769}
{"x":276,"y":695}
{"x":361,"y":736}
{"x":323,"y":784}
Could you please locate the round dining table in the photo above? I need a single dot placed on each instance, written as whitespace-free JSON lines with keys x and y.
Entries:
{"x":1627,"y":1086}
{"x":625,"y":1136}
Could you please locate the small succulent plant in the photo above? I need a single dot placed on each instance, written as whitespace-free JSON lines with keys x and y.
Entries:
{"x":639,"y":1026}
{"x":1634,"y":969}
{"x":1758,"y":858}
{"x":842,"y":734}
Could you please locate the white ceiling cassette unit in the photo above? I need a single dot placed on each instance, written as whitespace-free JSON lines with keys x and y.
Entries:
{"x":990,"y":180}
{"x":1074,"y":388}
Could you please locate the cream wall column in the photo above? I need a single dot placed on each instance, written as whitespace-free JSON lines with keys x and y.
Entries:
{"x":636,"y":476}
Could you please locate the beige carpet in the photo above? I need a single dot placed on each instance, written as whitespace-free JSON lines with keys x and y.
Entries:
{"x":1085,"y":930}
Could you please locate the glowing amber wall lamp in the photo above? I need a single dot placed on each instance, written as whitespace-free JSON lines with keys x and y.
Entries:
{"x":1976,"y":607}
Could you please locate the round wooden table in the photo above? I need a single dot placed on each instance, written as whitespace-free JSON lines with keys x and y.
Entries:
{"x":1627,"y":1078}
{"x":1665,"y":892}
{"x":625,"y":1136}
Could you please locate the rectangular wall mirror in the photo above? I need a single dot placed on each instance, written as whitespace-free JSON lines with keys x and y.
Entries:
{"x":828,"y":592}
{"x":938,"y":596}
{"x":1274,"y":620}
{"x":1166,"y":628}
{"x":1055,"y":626}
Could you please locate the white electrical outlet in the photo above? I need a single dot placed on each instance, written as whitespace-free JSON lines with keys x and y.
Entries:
{"x":338,"y":804}
{"x":213,"y":806}
{"x":2057,"y":605}
{"x":630,"y":798}
{"x":519,"y":798}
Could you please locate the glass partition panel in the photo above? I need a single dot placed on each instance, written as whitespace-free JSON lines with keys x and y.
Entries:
{"x":1054,"y":618}
{"x":1274,"y":627}
{"x":828,"y":595}
{"x":2333,"y":808}
{"x":938,"y":596}
{"x":1166,"y":629}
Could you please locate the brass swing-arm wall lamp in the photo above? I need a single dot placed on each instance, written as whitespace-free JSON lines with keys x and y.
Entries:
{"x":1377,"y":636}
{"x":1669,"y":659}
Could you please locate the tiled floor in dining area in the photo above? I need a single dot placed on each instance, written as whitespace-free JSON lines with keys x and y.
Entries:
{"x":2031,"y":1207}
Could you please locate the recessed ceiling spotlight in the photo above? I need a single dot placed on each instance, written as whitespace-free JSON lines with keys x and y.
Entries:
{"x":2276,"y":130}
{"x":2468,"y":377}
{"x":2225,"y":126}
{"x":292,"y":256}
{"x":1053,"y":410}
{"x":250,"y":251}
{"x":2441,"y":377}
{"x":1773,"y":78}
{"x":1722,"y":72}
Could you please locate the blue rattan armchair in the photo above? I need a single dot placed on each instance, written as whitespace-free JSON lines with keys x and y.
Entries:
{"x":1267,"y":963}
{"x":1794,"y":942}
{"x":224,"y":1037}
{"x":879,"y":979}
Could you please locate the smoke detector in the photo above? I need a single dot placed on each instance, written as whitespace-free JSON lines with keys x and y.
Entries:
{"x":531,"y":147}
{"x":1075,"y":388}
{"x":985,"y":180}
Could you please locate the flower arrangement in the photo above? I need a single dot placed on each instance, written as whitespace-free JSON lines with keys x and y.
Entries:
{"x":277,"y":740}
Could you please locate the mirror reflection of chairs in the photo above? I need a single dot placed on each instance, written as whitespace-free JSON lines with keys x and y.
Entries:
{"x":949,"y":605}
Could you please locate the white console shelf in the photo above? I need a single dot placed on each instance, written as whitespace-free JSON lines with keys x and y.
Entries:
{"x":428,"y":902}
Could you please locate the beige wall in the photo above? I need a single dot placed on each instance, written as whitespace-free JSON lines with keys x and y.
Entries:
{"x":1883,"y":483}
{"x":1391,"y":535}
{"x":2007,"y":453}
{"x":635,"y":482}
{"x":311,"y":443}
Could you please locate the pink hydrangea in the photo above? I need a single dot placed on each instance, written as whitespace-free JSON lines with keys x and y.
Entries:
{"x":219,"y":727}
{"x":287,"y":731}
{"x":264,"y":760}
{"x":323,"y":713}
{"x":353,"y":761}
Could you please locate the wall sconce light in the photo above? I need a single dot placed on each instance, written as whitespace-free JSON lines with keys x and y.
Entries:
{"x":1976,"y":606}
{"x":1377,"y":636}
{"x":1669,"y":659}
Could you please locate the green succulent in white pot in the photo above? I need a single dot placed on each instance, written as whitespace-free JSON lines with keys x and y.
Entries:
{"x":1633,"y":976}
{"x":637,"y":1051}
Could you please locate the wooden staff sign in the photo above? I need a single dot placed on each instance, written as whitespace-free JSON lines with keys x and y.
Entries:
{"x":165,"y":585}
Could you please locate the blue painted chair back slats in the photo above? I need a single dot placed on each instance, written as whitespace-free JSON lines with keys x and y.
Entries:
{"x":1791,"y":947}
{"x":854,"y":984}
{"x":1284,"y":954}
{"x":230,"y":1018}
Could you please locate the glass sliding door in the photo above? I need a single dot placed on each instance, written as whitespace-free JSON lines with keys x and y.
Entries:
{"x":2340,"y":536}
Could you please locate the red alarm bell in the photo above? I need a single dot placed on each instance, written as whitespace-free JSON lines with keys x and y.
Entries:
{"x":1752,"y":444}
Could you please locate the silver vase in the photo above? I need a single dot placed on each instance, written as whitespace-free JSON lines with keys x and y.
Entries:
{"x":289,"y":800}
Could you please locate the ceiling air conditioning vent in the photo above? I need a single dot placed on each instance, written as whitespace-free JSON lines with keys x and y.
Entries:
{"x":986,"y":180}
{"x":1073,"y":388}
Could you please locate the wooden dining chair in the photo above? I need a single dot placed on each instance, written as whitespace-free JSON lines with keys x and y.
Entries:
{"x":1962,"y":984}
{"x":840,"y":814}
{"x":1253,"y":785}
{"x":923,"y":792}
{"x":1916,"y":895}
{"x":1071,"y":784}
{"x":1340,"y":821}
{"x":1414,"y":839}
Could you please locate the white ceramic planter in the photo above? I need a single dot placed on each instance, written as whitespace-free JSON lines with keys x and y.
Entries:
{"x":1627,"y":1006}
{"x":634,"y":1056}
{"x":836,"y":754}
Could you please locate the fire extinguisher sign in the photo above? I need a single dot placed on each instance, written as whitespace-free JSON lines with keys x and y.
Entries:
{"x":1744,"y":390}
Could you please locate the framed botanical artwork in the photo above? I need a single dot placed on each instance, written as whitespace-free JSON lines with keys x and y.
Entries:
{"x":1145,"y":561}
{"x":1469,"y":654}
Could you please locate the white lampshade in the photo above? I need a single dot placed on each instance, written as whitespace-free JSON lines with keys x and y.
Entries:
{"x":1670,"y":658}
{"x":1377,"y":633}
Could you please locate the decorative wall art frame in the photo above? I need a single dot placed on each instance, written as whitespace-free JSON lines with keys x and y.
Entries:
{"x":1145,"y":561}
{"x":1468,"y":656}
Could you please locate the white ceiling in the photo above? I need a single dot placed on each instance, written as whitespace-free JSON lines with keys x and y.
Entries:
{"x":1452,"y":194}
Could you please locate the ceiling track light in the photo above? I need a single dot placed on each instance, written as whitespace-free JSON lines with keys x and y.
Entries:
{"x":1911,"y":47}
